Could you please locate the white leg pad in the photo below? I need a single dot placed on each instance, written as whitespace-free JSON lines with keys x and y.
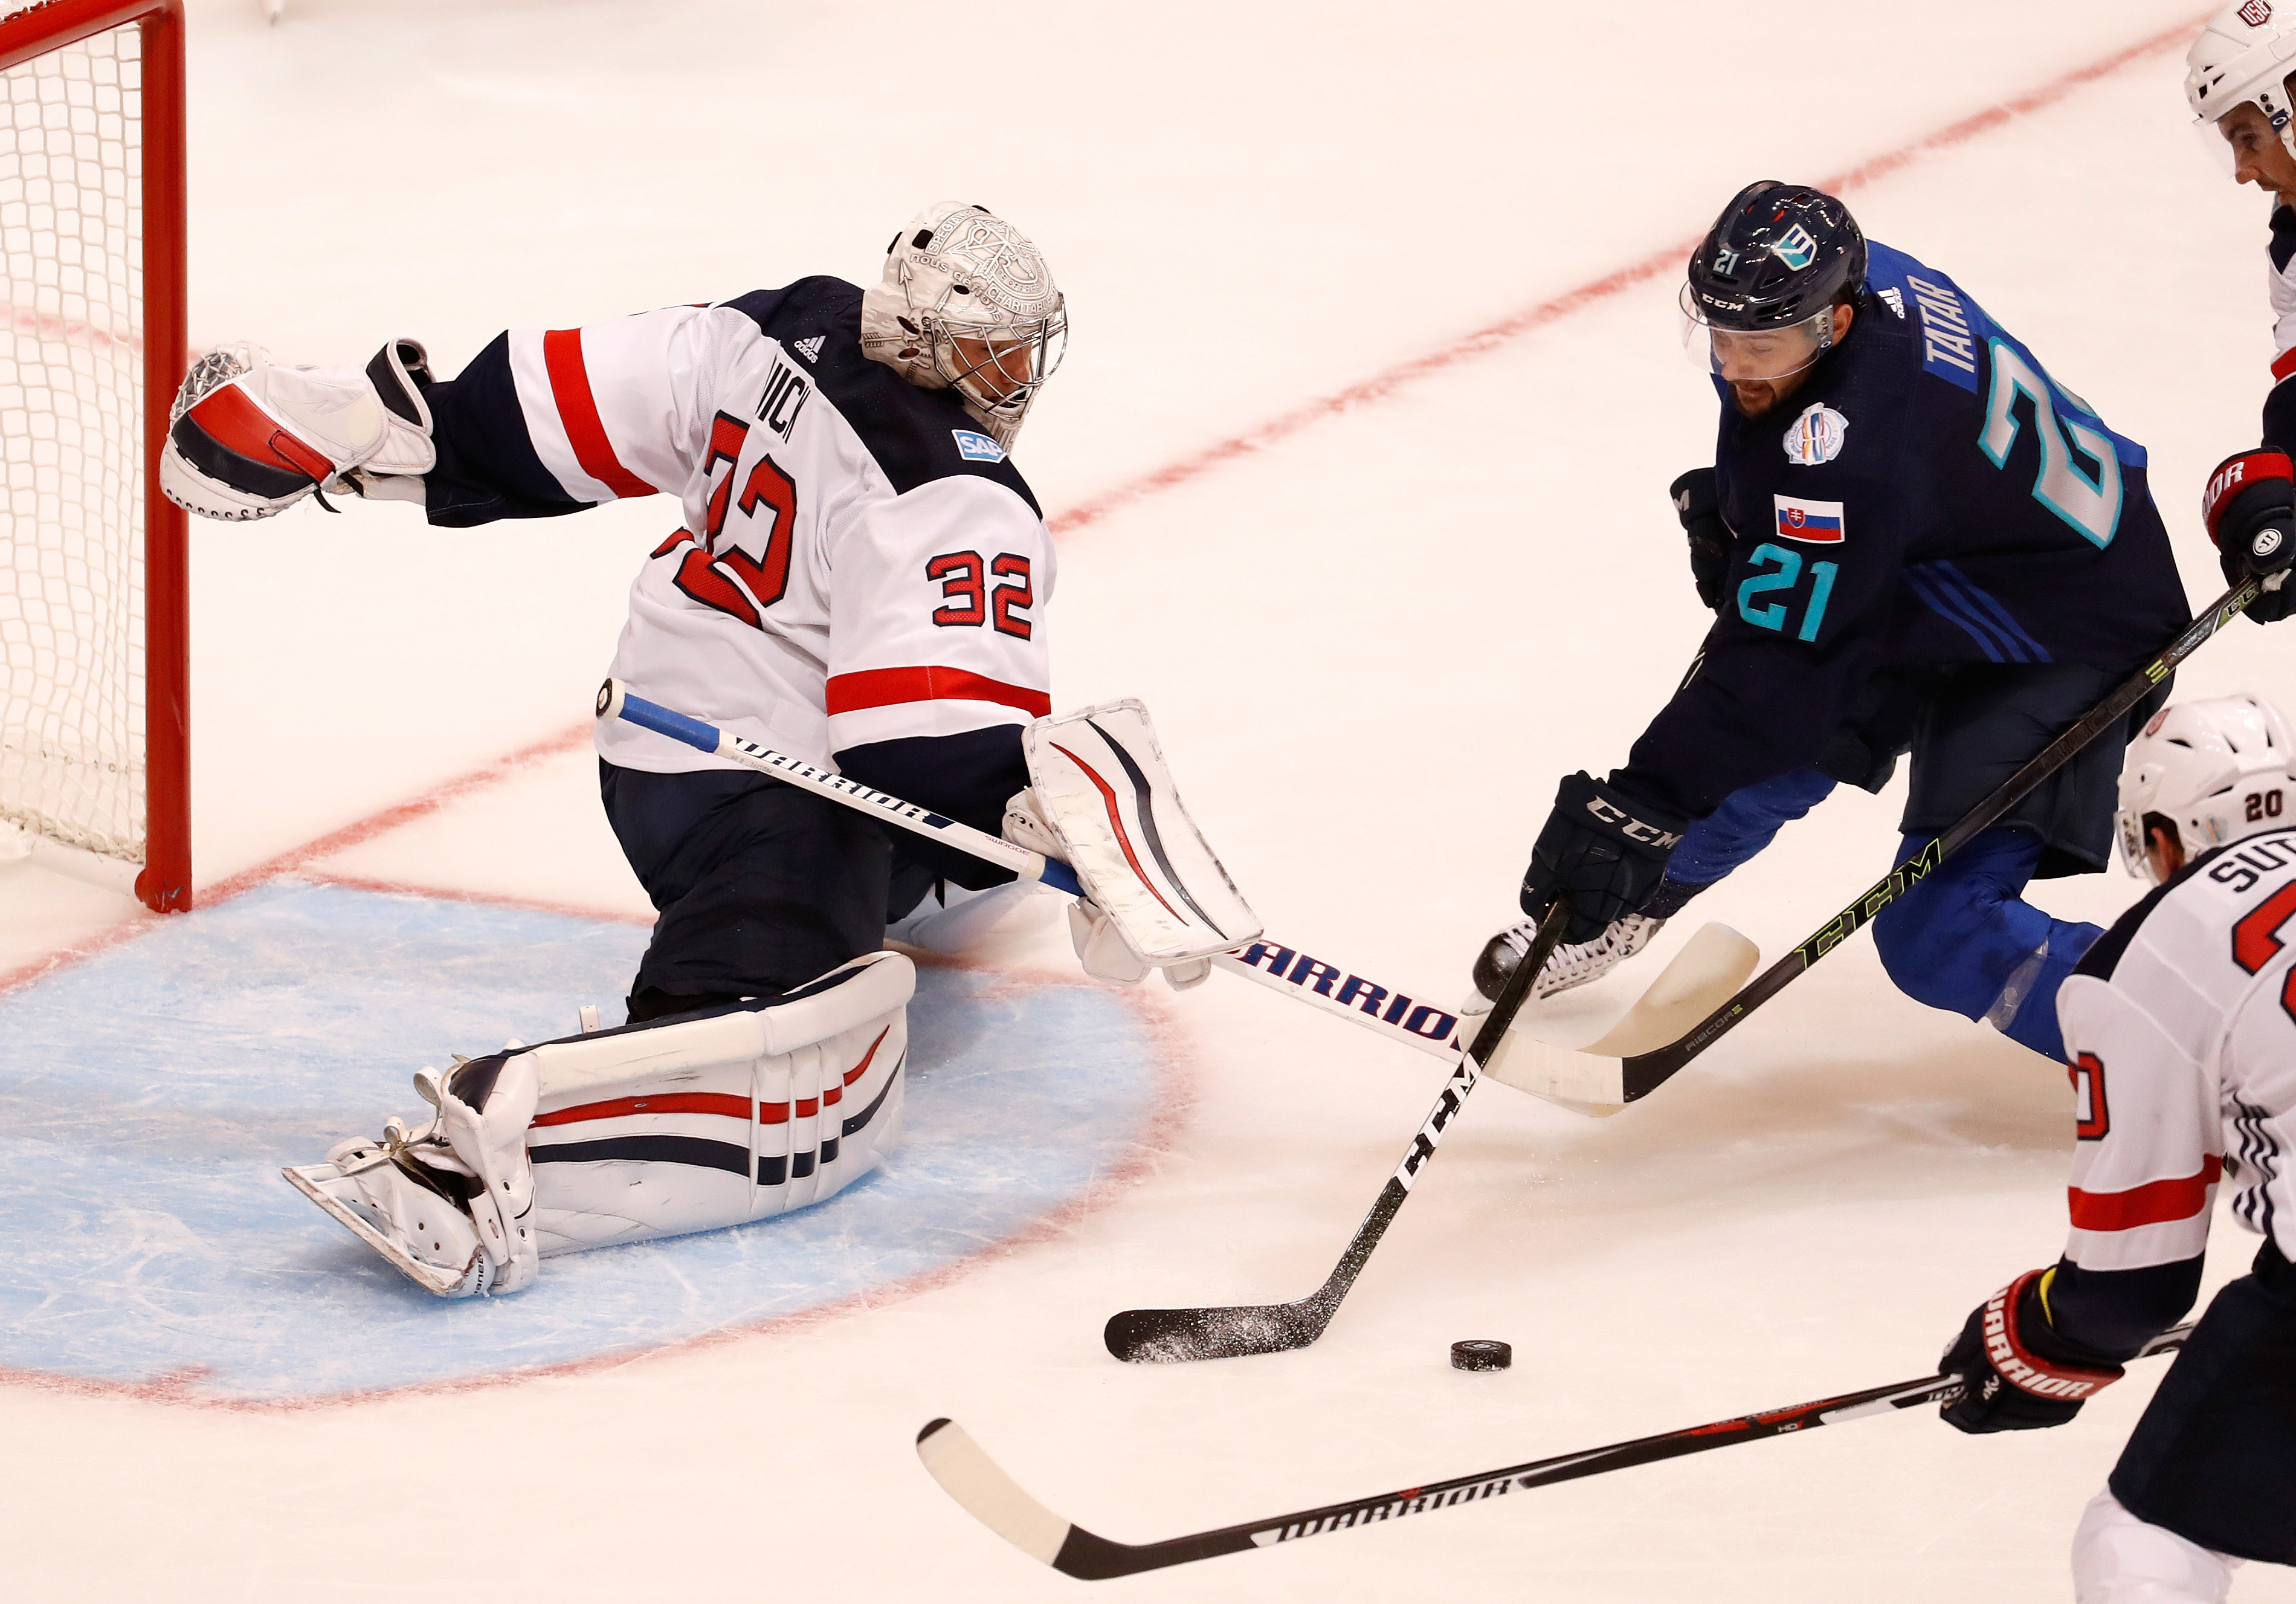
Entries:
{"x":2120,"y":1559}
{"x":690,"y":1125}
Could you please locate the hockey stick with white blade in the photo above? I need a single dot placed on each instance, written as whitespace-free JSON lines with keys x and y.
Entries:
{"x":1178,"y":1336}
{"x":993,"y":1498}
{"x":1329,"y":988}
{"x":1612,"y":1076}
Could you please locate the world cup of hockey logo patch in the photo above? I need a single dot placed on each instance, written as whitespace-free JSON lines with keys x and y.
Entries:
{"x":1816,"y":436}
{"x":1797,"y":249}
{"x":1814,"y":522}
{"x":2256,"y":13}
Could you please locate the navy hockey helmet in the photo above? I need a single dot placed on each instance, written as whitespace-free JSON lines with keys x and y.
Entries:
{"x":1779,"y":255}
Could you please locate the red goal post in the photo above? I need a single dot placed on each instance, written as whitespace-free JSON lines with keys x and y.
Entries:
{"x":94,"y":651}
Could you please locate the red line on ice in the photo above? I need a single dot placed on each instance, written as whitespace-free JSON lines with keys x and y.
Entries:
{"x":1489,"y":337}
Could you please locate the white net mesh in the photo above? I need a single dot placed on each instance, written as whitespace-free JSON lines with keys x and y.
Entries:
{"x":72,"y":405}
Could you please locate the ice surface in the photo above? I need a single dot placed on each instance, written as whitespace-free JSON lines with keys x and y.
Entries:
{"x":150,"y":1096}
{"x":1370,"y":650}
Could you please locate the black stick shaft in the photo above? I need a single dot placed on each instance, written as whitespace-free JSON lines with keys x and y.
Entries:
{"x":1176,"y":1335}
{"x":1094,"y":1558}
{"x":1644,"y":1073}
{"x":1509,"y":1002}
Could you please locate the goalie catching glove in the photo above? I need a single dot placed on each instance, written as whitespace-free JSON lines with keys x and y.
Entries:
{"x":1101,"y":800}
{"x":249,"y":438}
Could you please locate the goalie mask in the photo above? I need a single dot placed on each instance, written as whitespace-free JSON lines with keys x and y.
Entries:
{"x":2216,"y":770}
{"x":968,"y":304}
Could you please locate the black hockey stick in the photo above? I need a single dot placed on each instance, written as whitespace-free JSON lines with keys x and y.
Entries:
{"x":1173,"y":1335}
{"x":1549,"y":1071}
{"x":999,"y":1502}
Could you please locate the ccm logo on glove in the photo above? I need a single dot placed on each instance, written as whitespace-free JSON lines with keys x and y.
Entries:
{"x":1629,"y":827}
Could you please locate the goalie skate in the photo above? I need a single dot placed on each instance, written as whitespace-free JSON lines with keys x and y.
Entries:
{"x":397,"y":1210}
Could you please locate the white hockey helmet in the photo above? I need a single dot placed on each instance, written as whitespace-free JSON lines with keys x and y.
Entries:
{"x":2216,"y":769}
{"x":2244,"y":56}
{"x":967,"y":303}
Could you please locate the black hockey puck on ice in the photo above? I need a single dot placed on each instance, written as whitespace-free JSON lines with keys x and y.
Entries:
{"x":1480,"y":1353}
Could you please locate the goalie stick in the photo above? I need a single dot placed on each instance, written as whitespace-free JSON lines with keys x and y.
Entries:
{"x":999,"y":1502}
{"x":1597,"y":1079}
{"x":1329,"y":988}
{"x":1387,"y":1011}
{"x":1176,"y":1335}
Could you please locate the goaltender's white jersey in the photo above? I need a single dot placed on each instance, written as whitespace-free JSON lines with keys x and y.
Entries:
{"x":854,"y":561}
{"x":2183,"y":1058}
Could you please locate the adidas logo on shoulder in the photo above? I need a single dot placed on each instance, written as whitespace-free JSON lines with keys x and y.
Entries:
{"x":810,"y":349}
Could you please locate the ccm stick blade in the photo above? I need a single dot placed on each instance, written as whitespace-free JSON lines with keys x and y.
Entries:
{"x":1707,"y":971}
{"x":1180,"y":1335}
{"x":999,"y":1502}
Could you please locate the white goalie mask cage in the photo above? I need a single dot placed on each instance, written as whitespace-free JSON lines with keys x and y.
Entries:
{"x":2244,"y":56}
{"x":967,"y":303}
{"x":2218,"y":770}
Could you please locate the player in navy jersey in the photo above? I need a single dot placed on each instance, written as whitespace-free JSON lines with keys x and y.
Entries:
{"x":2180,"y":1027}
{"x":1915,"y":538}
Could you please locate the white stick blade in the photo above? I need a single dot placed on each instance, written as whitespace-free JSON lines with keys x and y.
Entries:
{"x":1707,"y":971}
{"x":989,"y":1495}
{"x":1705,"y":974}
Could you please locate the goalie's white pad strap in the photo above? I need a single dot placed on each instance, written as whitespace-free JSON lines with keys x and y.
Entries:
{"x":1100,"y":785}
{"x":688,"y":1125}
{"x":484,"y":1109}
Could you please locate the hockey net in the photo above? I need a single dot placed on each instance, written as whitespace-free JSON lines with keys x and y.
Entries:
{"x":92,"y":693}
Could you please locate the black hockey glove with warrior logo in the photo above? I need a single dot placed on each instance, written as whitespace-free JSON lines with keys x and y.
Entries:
{"x":1699,"y":508}
{"x":2249,"y":508}
{"x":1602,"y":851}
{"x":2017,"y":1373}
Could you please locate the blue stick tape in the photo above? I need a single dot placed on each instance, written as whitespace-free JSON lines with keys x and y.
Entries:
{"x":662,"y":721}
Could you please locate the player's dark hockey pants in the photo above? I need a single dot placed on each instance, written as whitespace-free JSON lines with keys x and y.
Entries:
{"x":2214,"y":1458}
{"x":1964,"y":939}
{"x":760,"y":887}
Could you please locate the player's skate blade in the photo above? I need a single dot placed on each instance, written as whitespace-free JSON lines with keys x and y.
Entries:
{"x":1707,"y":971}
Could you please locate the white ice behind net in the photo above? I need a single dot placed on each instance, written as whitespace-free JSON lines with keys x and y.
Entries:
{"x":71,"y":494}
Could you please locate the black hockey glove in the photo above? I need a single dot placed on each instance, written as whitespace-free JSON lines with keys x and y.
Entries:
{"x":1700,"y":512}
{"x":1602,"y":851}
{"x":2249,"y":508}
{"x":2017,"y":1374}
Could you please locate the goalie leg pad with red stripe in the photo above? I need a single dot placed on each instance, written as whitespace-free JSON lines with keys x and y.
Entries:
{"x":733,"y":1114}
{"x":248,"y":438}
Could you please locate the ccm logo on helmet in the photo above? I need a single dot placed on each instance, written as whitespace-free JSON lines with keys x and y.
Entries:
{"x":1629,"y":827}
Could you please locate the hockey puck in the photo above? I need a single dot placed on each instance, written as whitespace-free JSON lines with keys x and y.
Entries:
{"x":1480,"y":1353}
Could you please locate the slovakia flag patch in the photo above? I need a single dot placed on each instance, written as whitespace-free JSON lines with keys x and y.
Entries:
{"x":1818,"y":523}
{"x":977,"y":448}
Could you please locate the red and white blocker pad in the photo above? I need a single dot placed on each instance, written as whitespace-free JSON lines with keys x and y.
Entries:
{"x":661,"y":1129}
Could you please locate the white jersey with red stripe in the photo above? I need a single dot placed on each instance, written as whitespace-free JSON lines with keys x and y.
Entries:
{"x":2279,"y":426}
{"x":2180,"y":1032}
{"x":854,"y":561}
